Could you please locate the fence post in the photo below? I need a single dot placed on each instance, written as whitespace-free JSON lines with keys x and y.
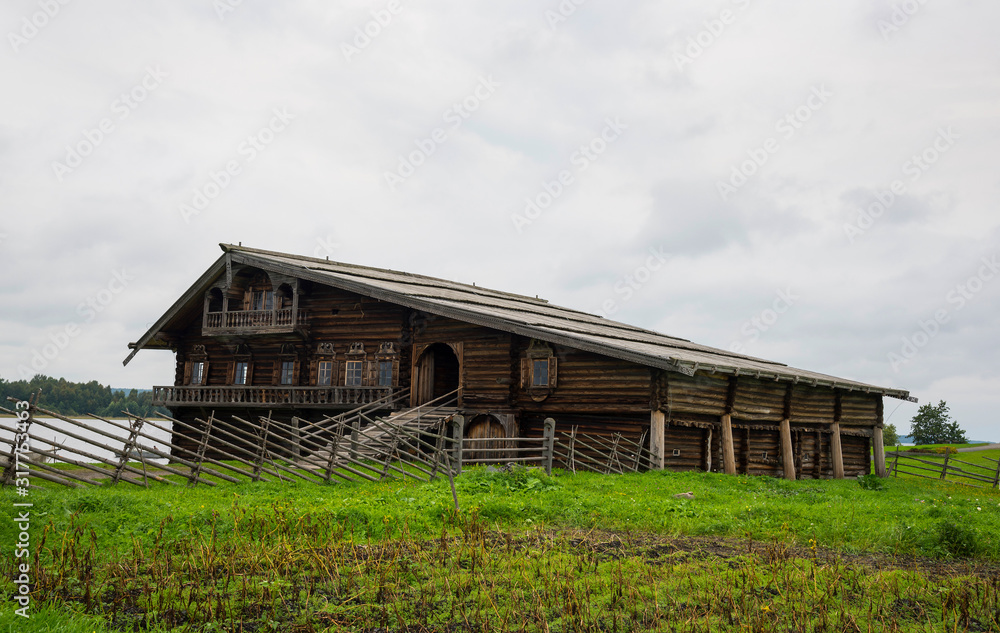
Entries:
{"x":548,"y":449}
{"x":895,"y":463}
{"x":572,"y":450}
{"x":355,"y":429}
{"x":13,"y":459}
{"x":944,"y":468}
{"x":996,"y":479}
{"x":135,"y":425}
{"x":457,"y":427}
{"x":196,"y":470}
{"x":261,"y":452}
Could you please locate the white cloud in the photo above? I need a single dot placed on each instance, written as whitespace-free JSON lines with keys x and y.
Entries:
{"x":321,"y":181}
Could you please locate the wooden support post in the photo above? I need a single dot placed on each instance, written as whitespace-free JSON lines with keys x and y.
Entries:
{"x":457,"y":428}
{"x":550,"y":444}
{"x":944,"y":467}
{"x":657,"y":438}
{"x":878,"y":447}
{"x":787,"y":455}
{"x":728,"y":453}
{"x":996,"y":479}
{"x":837,"y":451}
{"x":708,"y":450}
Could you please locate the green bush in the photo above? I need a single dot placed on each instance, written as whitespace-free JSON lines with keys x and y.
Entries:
{"x":870,"y":482}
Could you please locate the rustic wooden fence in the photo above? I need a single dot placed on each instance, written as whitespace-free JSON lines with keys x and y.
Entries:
{"x":420,"y":444}
{"x":950,"y":468}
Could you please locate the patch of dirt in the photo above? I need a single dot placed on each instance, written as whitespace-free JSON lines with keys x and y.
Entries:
{"x":655,"y":546}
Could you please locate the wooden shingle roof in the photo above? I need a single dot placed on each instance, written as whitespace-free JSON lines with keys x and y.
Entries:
{"x":518,"y":314}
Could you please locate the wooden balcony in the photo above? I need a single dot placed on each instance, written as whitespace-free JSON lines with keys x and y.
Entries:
{"x":253,"y":322}
{"x":274,"y":397}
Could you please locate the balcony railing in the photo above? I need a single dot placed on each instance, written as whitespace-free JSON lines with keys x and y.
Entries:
{"x":232,"y":395}
{"x":248,"y":320}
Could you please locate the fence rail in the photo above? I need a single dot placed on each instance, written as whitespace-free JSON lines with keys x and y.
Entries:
{"x":917,"y":465}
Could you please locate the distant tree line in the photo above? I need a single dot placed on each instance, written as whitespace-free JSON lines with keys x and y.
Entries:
{"x":80,"y":398}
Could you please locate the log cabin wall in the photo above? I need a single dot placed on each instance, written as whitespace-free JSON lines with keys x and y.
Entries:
{"x":598,"y":394}
{"x":486,"y":364}
{"x":694,"y":405}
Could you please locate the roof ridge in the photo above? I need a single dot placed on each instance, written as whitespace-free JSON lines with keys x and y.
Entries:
{"x":474,"y":289}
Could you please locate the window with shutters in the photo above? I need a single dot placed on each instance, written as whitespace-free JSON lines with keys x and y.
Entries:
{"x":354,"y":366}
{"x":324,"y":365}
{"x":196,"y":367}
{"x":386,"y":370}
{"x":385,"y":373}
{"x":286,"y":370}
{"x":538,"y":370}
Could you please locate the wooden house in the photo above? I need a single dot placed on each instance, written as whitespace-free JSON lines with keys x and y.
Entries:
{"x":276,"y":334}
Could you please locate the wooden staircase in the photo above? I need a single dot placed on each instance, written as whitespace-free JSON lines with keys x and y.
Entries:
{"x":374,"y":438}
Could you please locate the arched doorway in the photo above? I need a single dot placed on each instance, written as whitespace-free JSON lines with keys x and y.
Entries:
{"x":436,"y":373}
{"x":490,"y":439}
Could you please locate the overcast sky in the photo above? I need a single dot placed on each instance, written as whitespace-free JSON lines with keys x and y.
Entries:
{"x":813,"y":183}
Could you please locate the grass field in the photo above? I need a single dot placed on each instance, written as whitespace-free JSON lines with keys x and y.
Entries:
{"x":525,"y":552}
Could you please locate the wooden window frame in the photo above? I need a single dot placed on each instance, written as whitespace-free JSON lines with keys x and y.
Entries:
{"x":198,"y":355}
{"x":539,"y":352}
{"x":387,"y":353}
{"x":246,"y":374}
{"x":287,"y":369}
{"x":319,"y":372}
{"x":359,"y":372}
{"x":197,"y":373}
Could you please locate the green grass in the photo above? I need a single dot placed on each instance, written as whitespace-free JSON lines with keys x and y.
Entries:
{"x":571,"y":552}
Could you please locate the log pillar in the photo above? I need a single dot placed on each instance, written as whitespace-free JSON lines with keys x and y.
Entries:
{"x":708,"y":450}
{"x":836,"y":451}
{"x":878,"y":446}
{"x":657,"y":437}
{"x":787,"y":455}
{"x":728,"y":454}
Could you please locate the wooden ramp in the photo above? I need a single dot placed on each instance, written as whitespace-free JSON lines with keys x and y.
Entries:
{"x":376,"y":438}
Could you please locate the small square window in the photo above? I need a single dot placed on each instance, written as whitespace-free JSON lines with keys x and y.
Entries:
{"x":240,"y":374}
{"x":354,"y":374}
{"x":197,"y":372}
{"x":677,"y":452}
{"x":287,"y":372}
{"x":325,"y":373}
{"x":540,"y":372}
{"x":385,"y":373}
